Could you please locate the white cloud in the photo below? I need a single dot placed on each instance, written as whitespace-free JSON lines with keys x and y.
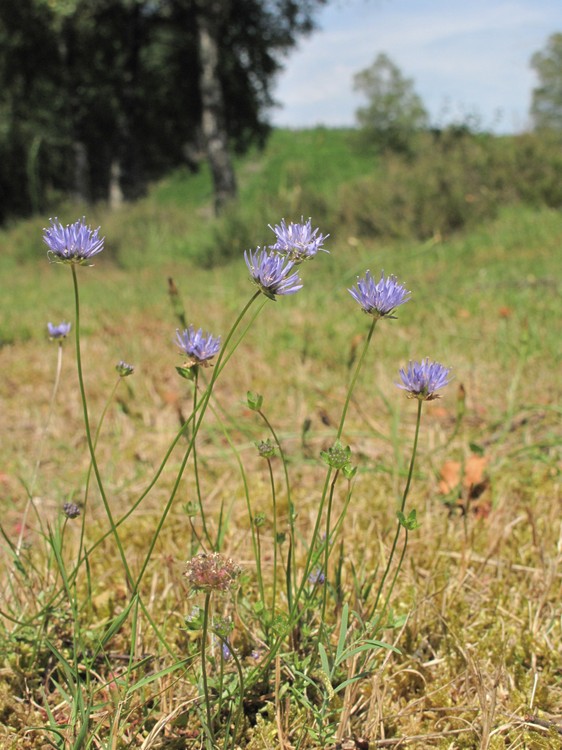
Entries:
{"x":473,"y":54}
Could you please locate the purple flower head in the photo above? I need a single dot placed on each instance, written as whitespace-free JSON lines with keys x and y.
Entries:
{"x":74,"y":243}
{"x":71,"y":510}
{"x":199,"y":349}
{"x":271,"y":273}
{"x":56,"y":333}
{"x":317,"y":577}
{"x":298,"y":242}
{"x":226,"y":652}
{"x":379,"y":298}
{"x":423,"y":379}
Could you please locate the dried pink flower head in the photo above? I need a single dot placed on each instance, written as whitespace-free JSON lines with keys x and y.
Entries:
{"x":212,"y":572}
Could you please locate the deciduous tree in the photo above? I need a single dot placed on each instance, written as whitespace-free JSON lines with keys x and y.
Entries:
{"x":546,"y":106}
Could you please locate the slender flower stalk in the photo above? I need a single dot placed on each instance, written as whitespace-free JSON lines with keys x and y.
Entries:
{"x":272,"y":273}
{"x":222,"y":361}
{"x":298,"y":241}
{"x":421,"y":380}
{"x":122,"y":371}
{"x":291,"y":581}
{"x":196,"y":466}
{"x":275,"y":541}
{"x":197,"y":424}
{"x":91,"y":447}
{"x":31,"y":486}
{"x":399,"y":525}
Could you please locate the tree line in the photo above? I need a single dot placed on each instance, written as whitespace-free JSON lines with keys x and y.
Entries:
{"x":97,"y":97}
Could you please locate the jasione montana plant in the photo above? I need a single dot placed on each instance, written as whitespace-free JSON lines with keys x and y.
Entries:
{"x":247,"y":621}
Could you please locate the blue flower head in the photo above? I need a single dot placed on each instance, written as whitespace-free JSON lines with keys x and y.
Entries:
{"x":298,"y":242}
{"x":317,"y":577}
{"x":198,"y":348}
{"x":380,"y":298}
{"x":423,"y":379}
{"x":272,"y":273}
{"x":73,"y":243}
{"x":56,"y":333}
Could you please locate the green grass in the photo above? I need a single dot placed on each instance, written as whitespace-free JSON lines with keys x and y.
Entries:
{"x":481,"y":646}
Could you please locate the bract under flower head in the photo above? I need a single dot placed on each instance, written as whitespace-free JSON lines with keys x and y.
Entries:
{"x":73,"y":243}
{"x":272,"y":273}
{"x":56,"y":333}
{"x":423,"y":379}
{"x":198,"y":347}
{"x":298,"y":242}
{"x":379,"y":298}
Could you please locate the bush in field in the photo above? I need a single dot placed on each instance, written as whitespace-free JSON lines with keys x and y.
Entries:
{"x":456,"y":179}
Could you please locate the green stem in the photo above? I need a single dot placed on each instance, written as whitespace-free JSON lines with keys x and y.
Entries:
{"x":274,"y":504}
{"x":399,"y":526}
{"x":203,"y":408}
{"x":207,"y":697}
{"x":253,"y":529}
{"x":292,"y":547}
{"x":327,"y":548}
{"x":31,"y":486}
{"x":218,"y":369}
{"x":89,"y":474}
{"x":355,"y":376}
{"x":89,"y":433}
{"x":196,"y":466}
{"x":310,"y":556}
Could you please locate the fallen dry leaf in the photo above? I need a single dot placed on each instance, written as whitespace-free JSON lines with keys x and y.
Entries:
{"x":471,"y":475}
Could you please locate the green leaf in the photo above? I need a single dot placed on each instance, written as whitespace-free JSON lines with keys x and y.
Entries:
{"x":409,"y":522}
{"x":343,"y":633}
{"x":186,"y":372}
{"x":324,"y":659}
{"x":477,"y":449}
{"x":351,"y":680}
{"x":255,"y":401}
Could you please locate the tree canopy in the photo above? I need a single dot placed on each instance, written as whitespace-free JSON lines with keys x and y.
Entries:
{"x":546,"y":106}
{"x":103,"y":94}
{"x":394,"y":112}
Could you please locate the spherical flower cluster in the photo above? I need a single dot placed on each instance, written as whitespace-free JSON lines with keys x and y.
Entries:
{"x":124,"y":369}
{"x":56,"y":333}
{"x":271,"y":272}
{"x":298,"y":242}
{"x":71,"y":510}
{"x":423,"y":379}
{"x":379,"y":298}
{"x":74,"y":243}
{"x":198,"y":347}
{"x":212,"y":572}
{"x":266,"y":449}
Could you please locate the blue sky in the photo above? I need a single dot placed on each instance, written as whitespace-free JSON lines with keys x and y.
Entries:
{"x":466,"y":57}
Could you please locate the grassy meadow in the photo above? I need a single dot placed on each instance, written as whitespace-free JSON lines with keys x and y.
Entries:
{"x":475,"y":612}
